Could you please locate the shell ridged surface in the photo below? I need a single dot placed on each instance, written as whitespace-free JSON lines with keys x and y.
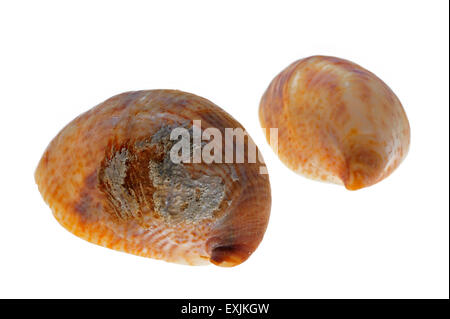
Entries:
{"x":108,"y":179}
{"x":337,"y":122}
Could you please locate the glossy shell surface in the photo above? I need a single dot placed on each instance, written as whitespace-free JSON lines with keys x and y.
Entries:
{"x":108,"y":179}
{"x":337,"y":122}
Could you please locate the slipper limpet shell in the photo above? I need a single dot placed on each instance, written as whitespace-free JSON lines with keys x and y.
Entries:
{"x":337,"y":122}
{"x":109,"y":179}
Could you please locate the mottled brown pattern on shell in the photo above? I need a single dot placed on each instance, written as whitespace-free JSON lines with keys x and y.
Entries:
{"x":68,"y":179}
{"x":336,"y":121}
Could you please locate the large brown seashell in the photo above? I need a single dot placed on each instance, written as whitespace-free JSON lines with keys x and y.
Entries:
{"x":337,"y":122}
{"x":109,"y":179}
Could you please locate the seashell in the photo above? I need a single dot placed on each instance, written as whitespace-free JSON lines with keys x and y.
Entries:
{"x":109,"y":179}
{"x":337,"y":122}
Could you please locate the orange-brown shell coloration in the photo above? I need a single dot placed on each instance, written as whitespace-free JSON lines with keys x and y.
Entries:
{"x":337,"y":122}
{"x":109,"y":179}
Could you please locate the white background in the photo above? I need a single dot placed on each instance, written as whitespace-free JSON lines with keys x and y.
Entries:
{"x":391,"y":240}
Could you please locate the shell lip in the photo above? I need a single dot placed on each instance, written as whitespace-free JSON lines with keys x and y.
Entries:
{"x":230,"y":256}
